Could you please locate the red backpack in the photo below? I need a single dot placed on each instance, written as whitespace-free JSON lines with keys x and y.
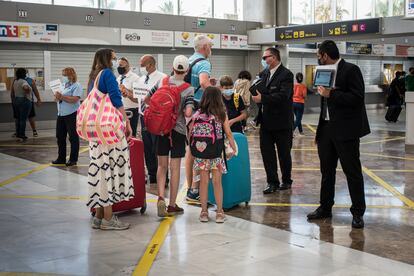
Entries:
{"x":161,"y":116}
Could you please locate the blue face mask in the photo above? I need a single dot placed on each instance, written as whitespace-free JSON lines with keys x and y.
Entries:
{"x":65,"y":80}
{"x":264,"y":64}
{"x":228,"y":92}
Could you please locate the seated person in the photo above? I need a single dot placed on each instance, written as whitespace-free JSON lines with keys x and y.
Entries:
{"x":236,"y":110}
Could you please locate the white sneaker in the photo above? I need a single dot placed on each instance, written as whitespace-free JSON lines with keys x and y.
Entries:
{"x":96,"y":223}
{"x":114,"y":224}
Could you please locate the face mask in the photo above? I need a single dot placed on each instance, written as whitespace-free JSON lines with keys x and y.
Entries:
{"x":114,"y":63}
{"x":65,"y":80}
{"x":121,"y":70}
{"x":143,"y":71}
{"x":264,"y":64}
{"x":228,"y":92}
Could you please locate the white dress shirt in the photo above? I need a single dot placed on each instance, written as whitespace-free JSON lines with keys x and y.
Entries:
{"x":151,"y":80}
{"x":127,"y":80}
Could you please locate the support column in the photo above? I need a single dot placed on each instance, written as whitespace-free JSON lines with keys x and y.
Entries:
{"x":409,"y":122}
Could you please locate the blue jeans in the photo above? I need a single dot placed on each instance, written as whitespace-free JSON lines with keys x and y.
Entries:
{"x":23,"y":106}
{"x":298,"y":109}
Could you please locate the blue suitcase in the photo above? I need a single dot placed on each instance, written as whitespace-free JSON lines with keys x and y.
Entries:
{"x":237,"y":182}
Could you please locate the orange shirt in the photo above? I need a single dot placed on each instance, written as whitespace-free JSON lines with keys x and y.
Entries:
{"x":299,"y":93}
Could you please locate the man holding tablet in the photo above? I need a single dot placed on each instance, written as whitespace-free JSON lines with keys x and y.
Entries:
{"x":343,"y":121}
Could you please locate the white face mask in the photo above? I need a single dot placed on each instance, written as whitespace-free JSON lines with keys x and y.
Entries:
{"x":115,"y":63}
{"x":143,"y":71}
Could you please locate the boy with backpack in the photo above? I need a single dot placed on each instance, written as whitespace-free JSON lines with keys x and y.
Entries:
{"x":236,"y":110}
{"x":171,"y":101}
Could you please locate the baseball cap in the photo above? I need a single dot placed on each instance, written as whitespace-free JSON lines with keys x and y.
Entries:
{"x":180,"y":63}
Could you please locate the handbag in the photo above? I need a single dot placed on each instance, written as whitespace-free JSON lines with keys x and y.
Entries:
{"x":98,"y":120}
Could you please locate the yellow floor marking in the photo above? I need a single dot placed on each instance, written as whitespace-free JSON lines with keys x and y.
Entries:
{"x":316,"y":205}
{"x":266,"y":204}
{"x":311,"y":128}
{"x":388,"y":156}
{"x":32,"y":146}
{"x":388,"y":187}
{"x":383,"y":140}
{"x":55,"y":197}
{"x":339,"y":170}
{"x":144,"y":265}
{"x":38,"y":168}
{"x":26,"y":274}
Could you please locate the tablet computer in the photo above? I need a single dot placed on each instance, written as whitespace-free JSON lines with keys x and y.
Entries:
{"x":324,"y":77}
{"x":258,"y":84}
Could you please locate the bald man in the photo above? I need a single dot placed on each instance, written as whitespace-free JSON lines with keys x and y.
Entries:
{"x":150,"y":76}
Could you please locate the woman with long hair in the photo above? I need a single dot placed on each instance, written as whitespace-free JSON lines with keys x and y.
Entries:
{"x":109,"y":174}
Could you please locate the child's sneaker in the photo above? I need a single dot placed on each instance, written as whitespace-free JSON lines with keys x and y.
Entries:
{"x":35,"y":133}
{"x":203,"y":216}
{"x":96,"y":223}
{"x":193,"y":196}
{"x":161,"y":208}
{"x":175,"y":210}
{"x":220,"y":217}
{"x":114,"y":224}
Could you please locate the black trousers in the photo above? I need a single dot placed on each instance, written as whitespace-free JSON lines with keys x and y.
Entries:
{"x":67,"y":125}
{"x":133,"y":120}
{"x":330,"y":150}
{"x":283,"y":141}
{"x":149,"y":141}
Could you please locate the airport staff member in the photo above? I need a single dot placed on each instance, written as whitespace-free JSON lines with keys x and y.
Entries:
{"x":342,"y":122}
{"x":276,"y":119}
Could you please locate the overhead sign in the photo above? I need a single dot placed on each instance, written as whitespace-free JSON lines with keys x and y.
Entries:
{"x":405,"y":51}
{"x":299,"y":32}
{"x":355,"y":27}
{"x":353,"y":48}
{"x":387,"y":50}
{"x":238,"y":42}
{"x":28,"y":32}
{"x":136,"y":37}
{"x":409,"y":8}
{"x":186,"y":39}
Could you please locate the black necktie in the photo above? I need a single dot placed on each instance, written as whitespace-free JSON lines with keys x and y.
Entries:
{"x":146,"y":79}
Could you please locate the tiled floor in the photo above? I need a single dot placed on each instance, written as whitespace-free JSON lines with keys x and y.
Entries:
{"x":45,"y":225}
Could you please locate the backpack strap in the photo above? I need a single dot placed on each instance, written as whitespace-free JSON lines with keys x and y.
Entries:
{"x":166,"y":81}
{"x":191,"y":68}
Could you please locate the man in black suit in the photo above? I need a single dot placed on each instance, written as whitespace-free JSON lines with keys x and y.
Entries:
{"x":276,"y":119}
{"x":343,"y":121}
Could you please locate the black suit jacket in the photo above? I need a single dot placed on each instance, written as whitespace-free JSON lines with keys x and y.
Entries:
{"x":277,"y":111}
{"x":346,"y":104}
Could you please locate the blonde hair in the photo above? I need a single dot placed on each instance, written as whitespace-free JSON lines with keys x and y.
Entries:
{"x":70,"y":73}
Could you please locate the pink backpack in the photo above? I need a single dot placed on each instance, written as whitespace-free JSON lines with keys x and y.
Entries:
{"x":98,"y":120}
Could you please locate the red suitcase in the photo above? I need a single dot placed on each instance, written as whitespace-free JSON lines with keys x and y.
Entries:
{"x":138,"y":176}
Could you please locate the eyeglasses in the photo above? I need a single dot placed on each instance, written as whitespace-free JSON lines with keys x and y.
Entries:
{"x":265,"y":57}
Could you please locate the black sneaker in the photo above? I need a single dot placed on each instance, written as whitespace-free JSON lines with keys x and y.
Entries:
{"x":193,"y":196}
{"x":35,"y":133}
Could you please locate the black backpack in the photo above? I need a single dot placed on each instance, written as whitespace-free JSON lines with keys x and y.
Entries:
{"x":187,"y":77}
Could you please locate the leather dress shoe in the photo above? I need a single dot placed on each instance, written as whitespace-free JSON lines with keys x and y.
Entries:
{"x":284,"y":186}
{"x":319,"y":214}
{"x":71,"y":163}
{"x":271,"y":188}
{"x":358,"y":222}
{"x":58,"y":162}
